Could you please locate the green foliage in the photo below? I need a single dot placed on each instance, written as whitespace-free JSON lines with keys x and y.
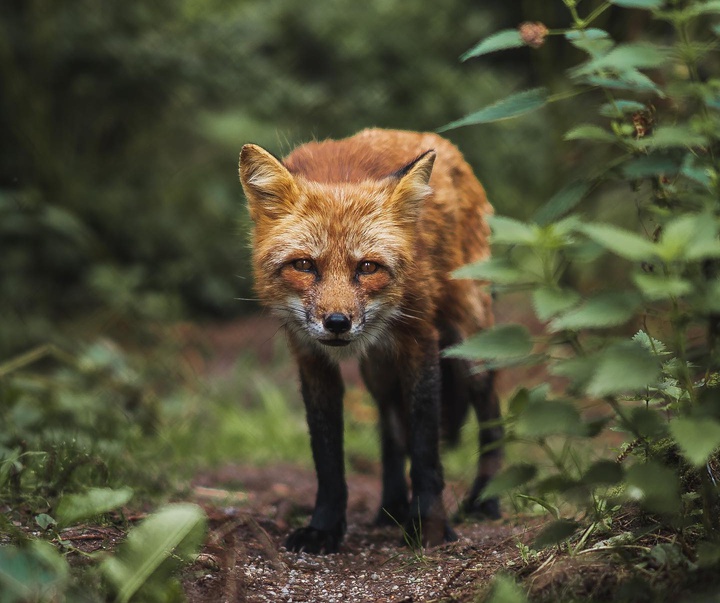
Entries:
{"x":654,"y":144}
{"x":153,"y":551}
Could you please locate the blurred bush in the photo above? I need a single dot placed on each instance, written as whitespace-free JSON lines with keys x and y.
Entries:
{"x":122,"y":122}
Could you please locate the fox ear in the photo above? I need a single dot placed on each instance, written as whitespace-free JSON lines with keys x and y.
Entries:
{"x":413,"y":188}
{"x":269,"y":187}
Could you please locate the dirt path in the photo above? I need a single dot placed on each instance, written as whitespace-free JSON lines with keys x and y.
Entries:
{"x":252,"y":509}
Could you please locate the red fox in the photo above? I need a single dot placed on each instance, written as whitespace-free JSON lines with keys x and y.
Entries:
{"x":353,"y":244}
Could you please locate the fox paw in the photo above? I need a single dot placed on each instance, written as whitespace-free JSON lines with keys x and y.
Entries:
{"x":315,"y":541}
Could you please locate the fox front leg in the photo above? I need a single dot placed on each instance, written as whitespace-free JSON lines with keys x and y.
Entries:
{"x":322,"y":391}
{"x":428,"y":524}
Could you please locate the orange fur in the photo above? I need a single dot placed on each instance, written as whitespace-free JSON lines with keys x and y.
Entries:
{"x":336,"y":203}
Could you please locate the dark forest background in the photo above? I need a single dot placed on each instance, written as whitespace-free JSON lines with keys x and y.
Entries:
{"x":122,"y":123}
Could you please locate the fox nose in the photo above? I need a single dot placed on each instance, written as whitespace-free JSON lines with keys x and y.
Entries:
{"x":337,"y":323}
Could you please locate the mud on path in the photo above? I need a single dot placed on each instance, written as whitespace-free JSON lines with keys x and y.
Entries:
{"x":252,"y":509}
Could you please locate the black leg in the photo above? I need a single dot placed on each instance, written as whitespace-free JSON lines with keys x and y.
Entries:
{"x":381,"y":379}
{"x":487,"y":410}
{"x":322,"y":391}
{"x":421,"y":387}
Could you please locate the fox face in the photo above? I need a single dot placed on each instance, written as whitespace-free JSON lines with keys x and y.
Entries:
{"x":333,"y":259}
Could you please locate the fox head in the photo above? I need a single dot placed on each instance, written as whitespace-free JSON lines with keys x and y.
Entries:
{"x":333,"y":259}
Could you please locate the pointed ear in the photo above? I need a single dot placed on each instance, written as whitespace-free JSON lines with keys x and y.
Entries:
{"x":269,"y":187}
{"x":413,"y":187}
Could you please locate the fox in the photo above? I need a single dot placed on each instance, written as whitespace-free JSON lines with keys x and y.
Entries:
{"x":353,"y":245}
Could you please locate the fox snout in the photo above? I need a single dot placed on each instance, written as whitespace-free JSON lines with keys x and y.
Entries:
{"x":337,"y":323}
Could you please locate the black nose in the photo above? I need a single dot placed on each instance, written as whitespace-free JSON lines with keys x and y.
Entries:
{"x":337,"y":323}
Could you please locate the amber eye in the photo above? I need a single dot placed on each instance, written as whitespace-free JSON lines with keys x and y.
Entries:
{"x":367,"y":267}
{"x":304,"y":265}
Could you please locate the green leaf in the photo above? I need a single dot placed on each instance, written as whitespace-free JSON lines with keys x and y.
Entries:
{"x":697,"y":438}
{"x":555,"y":533}
{"x":549,"y":301}
{"x":506,"y":590}
{"x":595,"y":42}
{"x":622,"y":242}
{"x":509,"y":478}
{"x":646,"y":4}
{"x":656,"y":287}
{"x":586,"y":34}
{"x":95,"y":501}
{"x":697,"y":9}
{"x":650,"y":165}
{"x":664,"y":137}
{"x":154,"y":549}
{"x":623,"y":367}
{"x":512,"y":106}
{"x":590,"y":132}
{"x":630,"y":79}
{"x":607,"y":309}
{"x":44,"y":521}
{"x":625,"y":58}
{"x":690,"y":237}
{"x":566,"y":199}
{"x":603,"y":473}
{"x":502,"y":40}
{"x":499,"y":342}
{"x":34,"y":572}
{"x":541,"y":419}
{"x":619,"y":108}
{"x":510,"y":231}
{"x":704,"y":175}
{"x":496,"y":270}
{"x":647,"y":423}
{"x":655,"y":486}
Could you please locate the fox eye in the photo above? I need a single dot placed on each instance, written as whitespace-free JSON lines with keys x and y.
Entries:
{"x":304,"y":265}
{"x":367,"y":267}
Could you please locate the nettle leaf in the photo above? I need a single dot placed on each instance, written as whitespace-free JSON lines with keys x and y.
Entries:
{"x":656,"y":286}
{"x":603,"y":473}
{"x":566,"y":199}
{"x":95,"y":501}
{"x":690,"y":238}
{"x":502,"y":40}
{"x":624,"y":243}
{"x":623,"y":367}
{"x":590,"y":132}
{"x":647,"y":423}
{"x":651,"y":344}
{"x":497,"y":343}
{"x":650,"y":165}
{"x":595,"y":42}
{"x":607,"y":309}
{"x":703,"y":174}
{"x":664,"y":137}
{"x":512,"y":106}
{"x":497,"y":270}
{"x":655,"y":486}
{"x":541,"y":419}
{"x":155,"y":549}
{"x":630,"y":79}
{"x":579,"y":369}
{"x":646,"y":4}
{"x":697,"y":437}
{"x":549,"y":301}
{"x":510,"y":231}
{"x":620,"y":108}
{"x":556,"y":532}
{"x":625,"y":58}
{"x":509,"y":478}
